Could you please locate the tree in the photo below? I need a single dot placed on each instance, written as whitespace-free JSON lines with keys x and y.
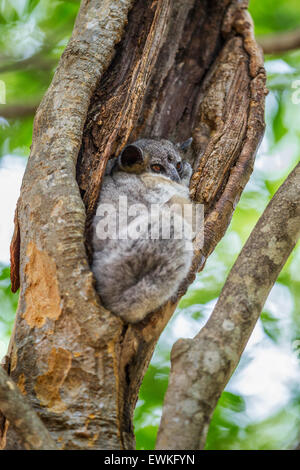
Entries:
{"x":195,"y":68}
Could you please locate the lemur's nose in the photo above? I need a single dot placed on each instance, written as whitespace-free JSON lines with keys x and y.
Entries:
{"x":174,"y":175}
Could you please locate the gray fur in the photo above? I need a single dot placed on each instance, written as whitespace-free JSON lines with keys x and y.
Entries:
{"x":136,"y":276}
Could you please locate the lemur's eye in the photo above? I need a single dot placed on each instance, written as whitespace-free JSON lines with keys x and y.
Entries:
{"x":179,"y":166}
{"x":157,"y":168}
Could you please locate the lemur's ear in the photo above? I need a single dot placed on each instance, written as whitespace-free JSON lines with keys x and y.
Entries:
{"x":185,"y":145}
{"x":132,"y":159}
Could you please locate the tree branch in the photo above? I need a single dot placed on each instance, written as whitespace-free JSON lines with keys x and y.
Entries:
{"x":34,"y":62}
{"x":281,"y":42}
{"x":22,"y":417}
{"x":18,"y":110}
{"x":201,"y":367}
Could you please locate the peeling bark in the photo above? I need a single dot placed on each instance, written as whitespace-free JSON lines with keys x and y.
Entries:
{"x":195,"y":69}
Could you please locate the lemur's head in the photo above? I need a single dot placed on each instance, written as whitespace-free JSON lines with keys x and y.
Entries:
{"x":155,"y":156}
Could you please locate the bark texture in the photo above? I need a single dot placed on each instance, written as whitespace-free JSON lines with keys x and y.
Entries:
{"x":182,"y":68}
{"x":19,"y":412}
{"x":205,"y":363}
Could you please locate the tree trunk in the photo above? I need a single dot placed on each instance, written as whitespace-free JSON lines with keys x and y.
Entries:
{"x":180,"y":69}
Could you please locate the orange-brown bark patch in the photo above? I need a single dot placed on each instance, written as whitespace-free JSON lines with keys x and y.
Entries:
{"x":42,"y":294}
{"x":48,"y":385}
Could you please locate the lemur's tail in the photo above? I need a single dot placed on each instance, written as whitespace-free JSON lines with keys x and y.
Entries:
{"x":135,"y":277}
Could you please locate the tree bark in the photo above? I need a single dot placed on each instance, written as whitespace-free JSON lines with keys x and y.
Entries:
{"x":195,"y":69}
{"x":20,"y":414}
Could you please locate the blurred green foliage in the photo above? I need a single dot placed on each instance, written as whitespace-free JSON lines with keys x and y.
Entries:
{"x":33,"y":34}
{"x":270,"y":16}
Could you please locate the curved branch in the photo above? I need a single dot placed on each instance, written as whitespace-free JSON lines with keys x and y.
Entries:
{"x":22,"y":417}
{"x":201,"y":367}
{"x":18,"y":110}
{"x":281,"y":42}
